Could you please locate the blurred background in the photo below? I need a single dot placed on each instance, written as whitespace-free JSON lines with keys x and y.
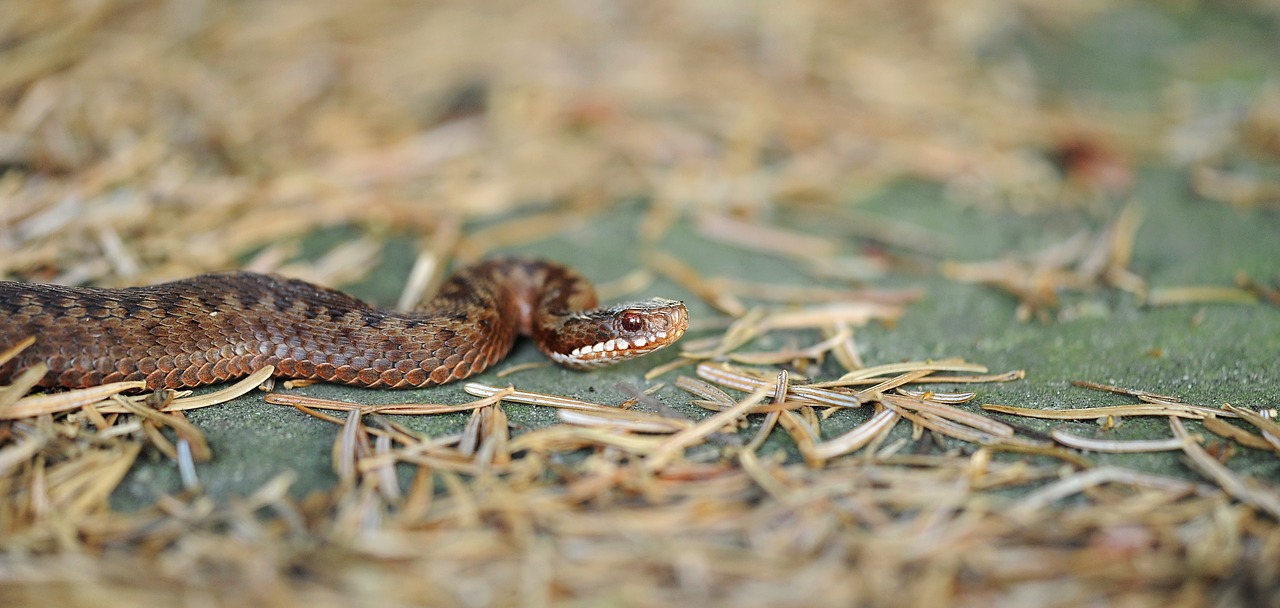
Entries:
{"x":1108,"y":172}
{"x":146,"y":140}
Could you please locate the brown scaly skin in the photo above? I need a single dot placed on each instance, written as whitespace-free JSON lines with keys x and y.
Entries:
{"x":218,"y":327}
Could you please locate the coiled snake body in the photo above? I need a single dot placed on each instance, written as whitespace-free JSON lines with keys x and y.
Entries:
{"x":217,"y":327}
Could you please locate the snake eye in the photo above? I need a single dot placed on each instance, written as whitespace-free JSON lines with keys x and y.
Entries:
{"x":631,"y":322}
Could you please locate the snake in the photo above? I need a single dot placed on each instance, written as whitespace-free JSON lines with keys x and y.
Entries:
{"x":218,"y":327}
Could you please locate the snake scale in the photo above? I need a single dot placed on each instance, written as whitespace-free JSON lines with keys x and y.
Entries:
{"x":217,"y":327}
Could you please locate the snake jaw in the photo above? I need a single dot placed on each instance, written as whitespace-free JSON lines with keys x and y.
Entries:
{"x":624,"y":332}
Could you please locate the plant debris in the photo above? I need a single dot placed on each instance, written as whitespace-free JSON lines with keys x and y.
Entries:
{"x":777,"y":461}
{"x":730,"y":512}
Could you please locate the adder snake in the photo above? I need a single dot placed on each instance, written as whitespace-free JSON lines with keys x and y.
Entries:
{"x":217,"y":327}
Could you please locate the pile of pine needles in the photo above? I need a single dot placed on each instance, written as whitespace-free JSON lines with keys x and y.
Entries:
{"x":615,"y":503}
{"x":146,"y":140}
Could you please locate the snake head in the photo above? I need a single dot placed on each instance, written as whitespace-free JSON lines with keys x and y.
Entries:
{"x":608,"y":335}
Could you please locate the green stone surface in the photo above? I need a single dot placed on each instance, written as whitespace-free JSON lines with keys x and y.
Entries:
{"x":1205,"y":354}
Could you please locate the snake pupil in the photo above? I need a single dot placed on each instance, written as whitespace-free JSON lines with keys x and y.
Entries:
{"x":632,"y":322}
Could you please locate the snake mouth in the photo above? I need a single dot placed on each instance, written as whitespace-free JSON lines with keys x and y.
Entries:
{"x":636,"y":329}
{"x":647,"y":343}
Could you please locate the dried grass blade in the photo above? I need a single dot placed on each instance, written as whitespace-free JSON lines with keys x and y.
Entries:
{"x":1116,"y":446}
{"x":443,"y":447}
{"x":771,"y":419}
{"x":241,"y":387}
{"x":763,"y":408}
{"x":1215,"y":425}
{"x":826,"y":397}
{"x":522,"y":367}
{"x":36,"y":405}
{"x":565,"y":437}
{"x":746,"y":383}
{"x":187,"y":466}
{"x":630,"y":421}
{"x":846,"y":352}
{"x":21,"y":385}
{"x":816,"y":351}
{"x":752,"y":466}
{"x":1230,"y":482}
{"x":744,"y":329}
{"x":1043,"y":449}
{"x":495,"y":438}
{"x":96,"y":419}
{"x":523,"y":229}
{"x":159,"y":440}
{"x":420,"y":496}
{"x":676,"y":443}
{"x":441,"y":463}
{"x":470,"y":441}
{"x":669,"y":366}
{"x":1243,"y":281}
{"x":1079,"y":482}
{"x":120,"y":430}
{"x":1132,"y":392}
{"x":941,"y":365}
{"x":631,"y":283}
{"x":704,"y":390}
{"x":498,"y":439}
{"x":176,"y":421}
{"x":20,"y":452}
{"x":948,"y":398}
{"x":530,"y":398}
{"x":426,"y":268}
{"x":344,"y":451}
{"x":635,"y":397}
{"x":1121,"y":236}
{"x":874,"y":392}
{"x":970,"y":419}
{"x":859,"y":436}
{"x":684,"y":275}
{"x":1181,"y":411}
{"x":816,"y":317}
{"x":50,"y":50}
{"x":348,"y":262}
{"x":1017,"y":374}
{"x":942,"y":425}
{"x":764,"y":238}
{"x":1270,"y":430}
{"x":775,"y":292}
{"x":465,"y":511}
{"x":430,"y":263}
{"x":88,"y":487}
{"x":402,"y":409}
{"x":805,"y":438}
{"x":273,"y":491}
{"x":342,"y":421}
{"x":1200,"y":294}
{"x":9,"y":353}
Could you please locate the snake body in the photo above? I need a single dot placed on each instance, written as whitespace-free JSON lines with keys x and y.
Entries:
{"x":217,"y":327}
